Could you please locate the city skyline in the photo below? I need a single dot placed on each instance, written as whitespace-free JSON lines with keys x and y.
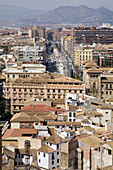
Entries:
{"x":49,"y":4}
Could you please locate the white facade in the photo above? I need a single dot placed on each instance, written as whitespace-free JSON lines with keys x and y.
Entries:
{"x":47,"y":160}
{"x":25,"y":70}
{"x":107,"y":115}
{"x":28,"y":53}
{"x":15,"y":125}
{"x":71,"y":116}
{"x":71,"y":98}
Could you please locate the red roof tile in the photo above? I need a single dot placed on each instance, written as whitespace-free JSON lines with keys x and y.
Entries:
{"x":40,"y":108}
{"x":18,"y":132}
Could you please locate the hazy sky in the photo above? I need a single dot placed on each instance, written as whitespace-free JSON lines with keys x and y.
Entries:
{"x":51,"y":4}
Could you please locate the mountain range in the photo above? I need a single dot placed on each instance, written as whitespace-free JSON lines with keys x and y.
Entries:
{"x":61,"y":15}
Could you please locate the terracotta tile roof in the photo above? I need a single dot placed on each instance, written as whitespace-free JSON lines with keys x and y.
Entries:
{"x":9,"y":153}
{"x":109,"y":99}
{"x":56,"y":123}
{"x":89,"y":65}
{"x":18,"y":132}
{"x":107,"y":79}
{"x":94,"y":70}
{"x":33,"y":117}
{"x":2,"y":77}
{"x":73,"y":108}
{"x":105,"y":107}
{"x":87,"y":61}
{"x":55,"y":139}
{"x":91,"y":141}
{"x":46,"y":149}
{"x":24,"y":117}
{"x":38,"y":108}
{"x":58,"y":101}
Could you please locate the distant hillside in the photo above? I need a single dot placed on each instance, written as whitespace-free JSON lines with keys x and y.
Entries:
{"x":73,"y":15}
{"x":64,"y":14}
{"x":8,"y":12}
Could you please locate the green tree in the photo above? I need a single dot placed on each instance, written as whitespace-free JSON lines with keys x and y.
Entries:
{"x":3,"y":114}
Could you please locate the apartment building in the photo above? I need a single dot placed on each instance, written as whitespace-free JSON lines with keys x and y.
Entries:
{"x":29,"y":53}
{"x":48,"y":156}
{"x":98,"y":80}
{"x":83,"y":53}
{"x":49,"y":86}
{"x":103,"y":55}
{"x":21,"y":70}
{"x":37,"y":32}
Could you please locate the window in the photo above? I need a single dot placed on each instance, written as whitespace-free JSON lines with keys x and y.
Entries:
{"x":20,"y":90}
{"x":57,"y":153}
{"x":69,"y":114}
{"x":106,"y":112}
{"x":109,"y":152}
{"x":30,"y":90}
{"x":23,"y":124}
{"x":73,"y":114}
{"x":39,"y":160}
{"x":106,"y":92}
{"x":57,"y":160}
{"x":44,"y":155}
{"x":24,"y":90}
{"x":57,"y":146}
{"x":106,"y":86}
{"x":30,"y":124}
{"x":53,"y":156}
{"x":75,"y":91}
{"x":39,"y":153}
{"x":50,"y":144}
{"x":52,"y":162}
{"x":110,"y":92}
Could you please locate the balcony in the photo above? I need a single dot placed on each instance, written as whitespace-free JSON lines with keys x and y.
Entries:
{"x":25,"y":92}
{"x":30,"y":93}
{"x":7,"y":92}
{"x":48,"y":93}
{"x":14,"y":98}
{"x":36,"y":93}
{"x":20,"y":92}
{"x":42,"y":93}
{"x":14,"y":92}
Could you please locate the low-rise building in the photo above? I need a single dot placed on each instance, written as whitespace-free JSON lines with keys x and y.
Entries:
{"x":21,"y":70}
{"x":49,"y":86}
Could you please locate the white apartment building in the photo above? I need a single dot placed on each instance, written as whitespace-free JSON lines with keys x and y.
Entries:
{"x":29,"y":53}
{"x":20,"y":70}
{"x":49,"y":155}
